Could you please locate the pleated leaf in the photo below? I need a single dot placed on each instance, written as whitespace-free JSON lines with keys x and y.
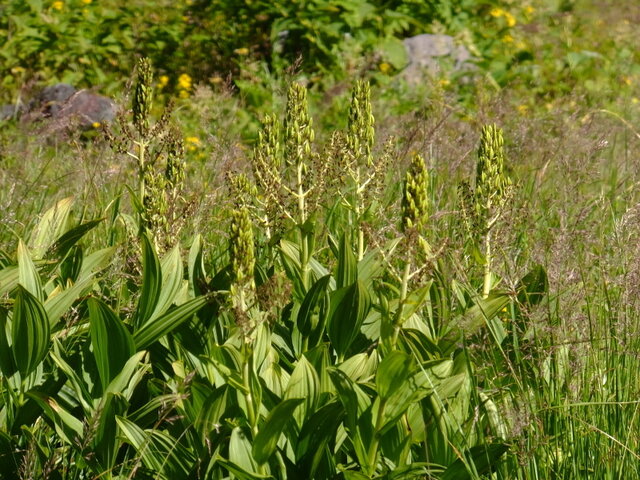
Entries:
{"x":265,"y":443}
{"x":28,"y":274}
{"x":112,"y":343}
{"x":52,"y":226}
{"x":349,"y":308}
{"x":160,"y":326}
{"x":151,"y":282}
{"x":30,"y":332}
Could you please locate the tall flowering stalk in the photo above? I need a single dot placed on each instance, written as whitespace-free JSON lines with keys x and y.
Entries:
{"x":141,"y":106}
{"x":414,"y":215}
{"x":491,"y":193}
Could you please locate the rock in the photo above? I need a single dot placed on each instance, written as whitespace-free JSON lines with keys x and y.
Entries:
{"x":9,"y":112}
{"x":87,"y":109}
{"x":69,"y":107}
{"x":426,"y":52}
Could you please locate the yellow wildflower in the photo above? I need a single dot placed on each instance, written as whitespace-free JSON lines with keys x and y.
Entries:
{"x":523,"y":109}
{"x":58,"y":5}
{"x":241,"y":51}
{"x":511,"y":20}
{"x":384,"y":67}
{"x":183,"y":94}
{"x":445,"y":82}
{"x":163,"y":80}
{"x":17,"y":70}
{"x":508,"y":17}
{"x":528,"y":10}
{"x":96,"y":124}
{"x":193,"y":143}
{"x":87,"y":2}
{"x":507,"y":38}
{"x":184,"y":81}
{"x":635,"y":100}
{"x":626,"y":80}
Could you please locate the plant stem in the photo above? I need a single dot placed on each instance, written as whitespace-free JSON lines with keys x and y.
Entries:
{"x":486,"y":287}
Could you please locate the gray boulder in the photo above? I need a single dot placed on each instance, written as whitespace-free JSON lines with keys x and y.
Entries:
{"x":10,"y":111}
{"x":427,"y":52}
{"x":65,"y":107}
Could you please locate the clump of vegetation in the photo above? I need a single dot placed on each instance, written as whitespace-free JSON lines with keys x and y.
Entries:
{"x":381,"y":296}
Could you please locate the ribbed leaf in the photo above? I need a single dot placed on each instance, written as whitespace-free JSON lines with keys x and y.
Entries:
{"x":347,"y":268}
{"x":265,"y":443}
{"x":28,"y":275}
{"x":68,"y":427}
{"x":240,"y":451}
{"x":484,"y":459}
{"x":159,"y":451}
{"x":30,"y":332}
{"x":7,"y":363}
{"x":51,"y":227}
{"x":313,"y":310}
{"x":393,"y":372}
{"x":315,"y":435}
{"x":196,"y":268}
{"x":160,"y":326}
{"x":64,"y":243}
{"x":349,"y":308}
{"x":238,"y":471}
{"x":171,"y":267}
{"x":151,"y":282}
{"x":304,"y":383}
{"x":9,"y":278}
{"x":112,"y":343}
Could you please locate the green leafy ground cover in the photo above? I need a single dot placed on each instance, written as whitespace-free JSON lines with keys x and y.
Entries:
{"x":324,"y":272}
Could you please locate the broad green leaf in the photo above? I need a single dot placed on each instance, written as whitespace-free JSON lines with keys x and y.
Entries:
{"x":151,"y":282}
{"x":358,"y":367}
{"x":106,"y":443}
{"x":196,"y":267}
{"x":28,"y":275}
{"x":51,"y":227}
{"x":315,"y":435}
{"x":238,"y":471}
{"x":159,"y":451}
{"x":80,"y":388}
{"x":7,"y":363}
{"x":349,"y":308}
{"x":484,"y":458}
{"x":471,"y":321}
{"x":265,"y":443}
{"x":112,"y":343}
{"x":29,"y":333}
{"x":9,"y":278}
{"x":171,"y":267}
{"x":304,"y":383}
{"x":129,"y":376}
{"x":160,"y":326}
{"x":240,"y":451}
{"x":68,"y":427}
{"x":95,"y":262}
{"x":347,"y":268}
{"x":394,"y":52}
{"x":314,"y":307}
{"x":533,"y":286}
{"x":393,"y":372}
{"x":64,"y":243}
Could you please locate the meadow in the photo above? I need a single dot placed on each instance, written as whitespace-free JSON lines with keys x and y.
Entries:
{"x":283,"y":259}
